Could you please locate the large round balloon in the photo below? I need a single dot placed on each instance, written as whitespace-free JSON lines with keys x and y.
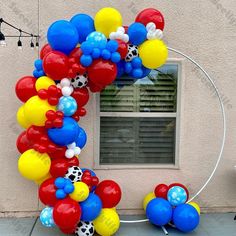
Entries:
{"x":159,"y":211}
{"x":176,"y":196}
{"x":34,"y":165}
{"x":84,"y":25}
{"x":63,"y":36}
{"x":67,"y":105}
{"x":81,"y":138}
{"x":180,"y":185}
{"x":101,"y":224}
{"x":151,"y":15}
{"x":137,"y":33}
{"x":147,"y":199}
{"x":23,"y":143}
{"x":46,"y":217}
{"x":107,"y":20}
{"x":81,"y":95}
{"x":102,"y":72}
{"x":44,"y":82}
{"x":35,"y":110}
{"x":91,"y":207}
{"x":186,"y":218}
{"x":56,"y":65}
{"x":153,"y":53}
{"x":109,"y":192}
{"x":66,"y":213}
{"x":161,"y":191}
{"x":47,"y":192}
{"x":25,"y":88}
{"x":45,"y":50}
{"x":65,"y":135}
{"x":21,"y":118}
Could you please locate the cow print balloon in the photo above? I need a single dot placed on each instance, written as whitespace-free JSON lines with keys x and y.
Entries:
{"x":80,"y":81}
{"x":84,"y":228}
{"x":132,"y":52}
{"x":74,"y":173}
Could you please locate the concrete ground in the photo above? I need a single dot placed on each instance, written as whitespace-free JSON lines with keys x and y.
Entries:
{"x":211,"y":225}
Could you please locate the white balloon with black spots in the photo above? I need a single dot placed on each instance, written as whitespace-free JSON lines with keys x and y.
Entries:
{"x":80,"y":81}
{"x":74,"y":174}
{"x":132,"y":52}
{"x":85,"y":228}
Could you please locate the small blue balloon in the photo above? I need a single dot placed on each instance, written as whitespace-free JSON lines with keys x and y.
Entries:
{"x":60,"y":194}
{"x":96,"y":53}
{"x":128,"y":67}
{"x":137,"y":33}
{"x":97,"y":39}
{"x":106,"y":55}
{"x":136,"y":62}
{"x":69,"y":188}
{"x":137,"y":73}
{"x":60,"y":182}
{"x":91,"y":207}
{"x":67,"y":105}
{"x":112,"y":45}
{"x":63,"y":36}
{"x":81,"y":138}
{"x":86,"y":48}
{"x":38,"y":64}
{"x":146,"y":71}
{"x":86,"y":60}
{"x":46,"y":217}
{"x":120,"y":68}
{"x":115,"y":57}
{"x":177,"y":196}
{"x":159,"y":211}
{"x":36,"y":73}
{"x":84,"y":25}
{"x":186,"y":218}
{"x":65,"y":135}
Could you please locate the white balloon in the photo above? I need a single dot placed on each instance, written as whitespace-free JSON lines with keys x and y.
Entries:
{"x":119,"y":35}
{"x":69,"y":153}
{"x":151,"y":26}
{"x":158,"y":34}
{"x":65,"y":82}
{"x":121,"y":29}
{"x":112,"y":35}
{"x":72,"y":145}
{"x":150,"y":35}
{"x":66,"y":91}
{"x":77,"y":150}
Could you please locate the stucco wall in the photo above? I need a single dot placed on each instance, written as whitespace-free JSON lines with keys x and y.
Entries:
{"x":204,"y":29}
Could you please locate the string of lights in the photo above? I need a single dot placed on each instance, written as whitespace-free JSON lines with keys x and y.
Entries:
{"x":22,"y":34}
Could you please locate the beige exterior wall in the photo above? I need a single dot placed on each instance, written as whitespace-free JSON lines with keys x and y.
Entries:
{"x":204,"y":29}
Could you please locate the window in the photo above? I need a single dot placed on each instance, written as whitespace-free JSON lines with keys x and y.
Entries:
{"x":138,"y":120}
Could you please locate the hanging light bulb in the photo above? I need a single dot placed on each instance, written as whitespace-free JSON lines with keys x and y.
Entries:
{"x":19,"y":43}
{"x":37,"y":42}
{"x":2,"y":37}
{"x":31,"y":42}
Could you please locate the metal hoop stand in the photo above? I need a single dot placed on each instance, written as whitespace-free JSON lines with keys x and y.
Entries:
{"x":223,"y":133}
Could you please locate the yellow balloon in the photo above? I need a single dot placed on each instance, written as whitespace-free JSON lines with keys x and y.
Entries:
{"x":107,"y":20}
{"x":34,"y":165}
{"x":147,"y":199}
{"x":21,"y":119}
{"x":107,"y":223}
{"x":81,"y":192}
{"x":35,"y":110}
{"x":153,"y":53}
{"x":44,"y":82}
{"x":196,"y":206}
{"x":48,"y":176}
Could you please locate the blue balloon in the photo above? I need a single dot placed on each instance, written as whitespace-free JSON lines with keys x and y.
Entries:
{"x":60,"y":182}
{"x":186,"y":218}
{"x":60,"y":194}
{"x":84,"y":25}
{"x":69,"y":188}
{"x":106,"y":55}
{"x":112,"y":45}
{"x":86,"y":60}
{"x":136,"y":62}
{"x":128,"y":67}
{"x":146,"y":71}
{"x":65,"y":135}
{"x":63,"y":36}
{"x":137,"y":33}
{"x":96,"y":53}
{"x":38,"y":64}
{"x":91,"y":207}
{"x":97,"y":39}
{"x":159,"y":211}
{"x":86,"y":48}
{"x":81,"y":138}
{"x":46,"y":217}
{"x":115,"y":57}
{"x":67,"y":105}
{"x":137,"y":73}
{"x":177,"y":196}
{"x":120,"y":68}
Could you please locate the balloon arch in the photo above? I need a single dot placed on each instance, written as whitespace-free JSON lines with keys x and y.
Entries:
{"x":88,"y":54}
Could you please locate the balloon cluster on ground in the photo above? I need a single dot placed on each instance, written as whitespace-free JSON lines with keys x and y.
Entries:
{"x":169,"y":205}
{"x":82,"y":54}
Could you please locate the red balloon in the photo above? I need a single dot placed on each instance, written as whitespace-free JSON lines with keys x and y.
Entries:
{"x":23,"y":143}
{"x":76,"y":53}
{"x":25,"y":88}
{"x":45,"y":50}
{"x":102,"y":72}
{"x":67,"y":213}
{"x":182,"y":186}
{"x":161,"y":191}
{"x":126,"y":28}
{"x":109,"y":193}
{"x":47,"y":192}
{"x":122,"y":48}
{"x":151,"y":15}
{"x":59,"y":153}
{"x":81,"y":95}
{"x":56,"y":65}
{"x":68,"y":231}
{"x":73,"y":161}
{"x":58,"y":167}
{"x":34,"y":133}
{"x":94,"y":88}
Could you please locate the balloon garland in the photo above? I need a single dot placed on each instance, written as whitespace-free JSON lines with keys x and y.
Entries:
{"x":81,"y":55}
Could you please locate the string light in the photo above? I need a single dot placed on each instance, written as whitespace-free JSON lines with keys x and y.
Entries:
{"x":22,"y":34}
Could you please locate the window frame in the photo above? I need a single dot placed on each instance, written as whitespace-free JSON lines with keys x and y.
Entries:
{"x":96,"y":122}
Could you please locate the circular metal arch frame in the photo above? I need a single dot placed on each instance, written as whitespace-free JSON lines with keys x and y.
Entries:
{"x":222,"y":109}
